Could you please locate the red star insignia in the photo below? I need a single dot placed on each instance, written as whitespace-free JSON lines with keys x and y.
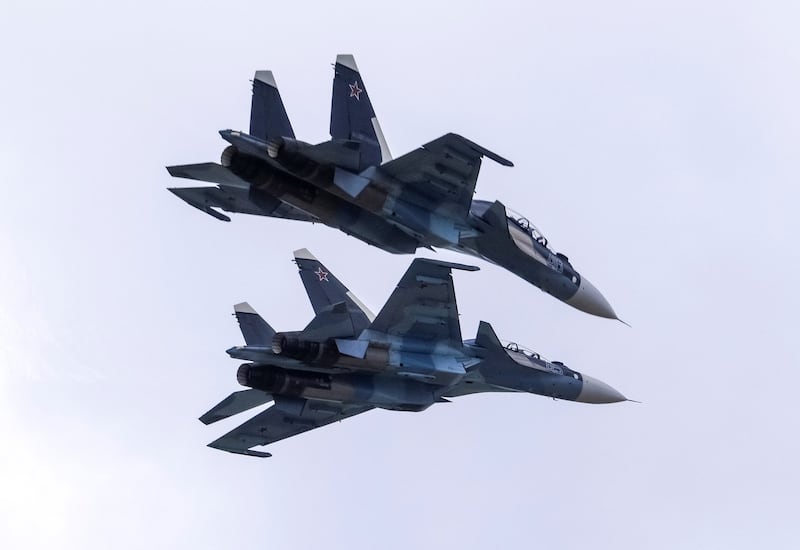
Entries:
{"x":322,"y":274}
{"x":355,"y":91}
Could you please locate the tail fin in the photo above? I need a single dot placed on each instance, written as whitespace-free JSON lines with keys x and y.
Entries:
{"x":352,"y":115}
{"x":255,"y":330}
{"x":268,"y":118}
{"x":325,"y":290}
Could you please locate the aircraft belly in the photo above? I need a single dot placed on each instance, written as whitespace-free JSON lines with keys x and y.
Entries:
{"x":534,"y":381}
{"x":436,"y":369}
{"x":427,"y":225}
{"x":388,"y":391}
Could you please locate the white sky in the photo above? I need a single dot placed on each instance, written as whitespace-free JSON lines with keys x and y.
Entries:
{"x":656,"y":146}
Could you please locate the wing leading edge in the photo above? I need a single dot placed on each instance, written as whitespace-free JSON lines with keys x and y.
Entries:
{"x":423,"y":306}
{"x":442,"y":173}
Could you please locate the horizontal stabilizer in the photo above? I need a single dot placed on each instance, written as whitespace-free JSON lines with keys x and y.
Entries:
{"x":210,"y":172}
{"x":203,"y":198}
{"x":243,"y":201}
{"x":288,"y":417}
{"x":225,"y":446}
{"x":235,"y":403}
{"x":229,"y":199}
{"x":255,"y":329}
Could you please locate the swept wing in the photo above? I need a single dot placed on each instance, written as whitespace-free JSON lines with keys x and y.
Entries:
{"x":423,"y":306}
{"x":441,"y":175}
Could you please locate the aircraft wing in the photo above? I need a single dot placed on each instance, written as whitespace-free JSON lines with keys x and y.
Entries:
{"x":441,"y":175}
{"x":423,"y":306}
{"x":289,"y":416}
{"x":233,"y":199}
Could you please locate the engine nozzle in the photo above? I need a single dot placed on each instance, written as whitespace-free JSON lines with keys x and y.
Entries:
{"x":226,"y":159}
{"x":294,"y":346}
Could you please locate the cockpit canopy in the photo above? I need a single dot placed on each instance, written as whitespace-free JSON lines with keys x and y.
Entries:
{"x":538,"y":362}
{"x":525,"y":224}
{"x":513,"y":346}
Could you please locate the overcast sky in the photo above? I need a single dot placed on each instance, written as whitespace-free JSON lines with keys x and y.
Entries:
{"x":656,"y":146}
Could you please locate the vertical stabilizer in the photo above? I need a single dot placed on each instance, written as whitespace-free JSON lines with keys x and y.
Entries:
{"x":325,"y":290}
{"x":268,"y":118}
{"x":352,"y":115}
{"x":256,"y":331}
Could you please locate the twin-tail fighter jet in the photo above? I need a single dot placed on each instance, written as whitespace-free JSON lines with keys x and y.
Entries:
{"x":348,"y":361}
{"x":352,"y":183}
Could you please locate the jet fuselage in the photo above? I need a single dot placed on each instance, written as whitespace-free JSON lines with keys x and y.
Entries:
{"x":389,"y":380}
{"x":282,"y":171}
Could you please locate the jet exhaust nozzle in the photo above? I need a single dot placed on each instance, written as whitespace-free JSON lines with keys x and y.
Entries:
{"x":269,"y":379}
{"x":274,"y":147}
{"x":244,"y":165}
{"x":285,"y":147}
{"x":243,"y":375}
{"x":284,"y":382}
{"x":326,"y":354}
{"x":293,"y":346}
{"x":226,"y":159}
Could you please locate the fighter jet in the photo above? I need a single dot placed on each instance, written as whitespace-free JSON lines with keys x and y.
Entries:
{"x":347,"y":361}
{"x":351,"y":183}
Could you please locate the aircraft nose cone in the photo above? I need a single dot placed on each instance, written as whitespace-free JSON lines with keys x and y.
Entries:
{"x":590,"y":300}
{"x":595,"y":391}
